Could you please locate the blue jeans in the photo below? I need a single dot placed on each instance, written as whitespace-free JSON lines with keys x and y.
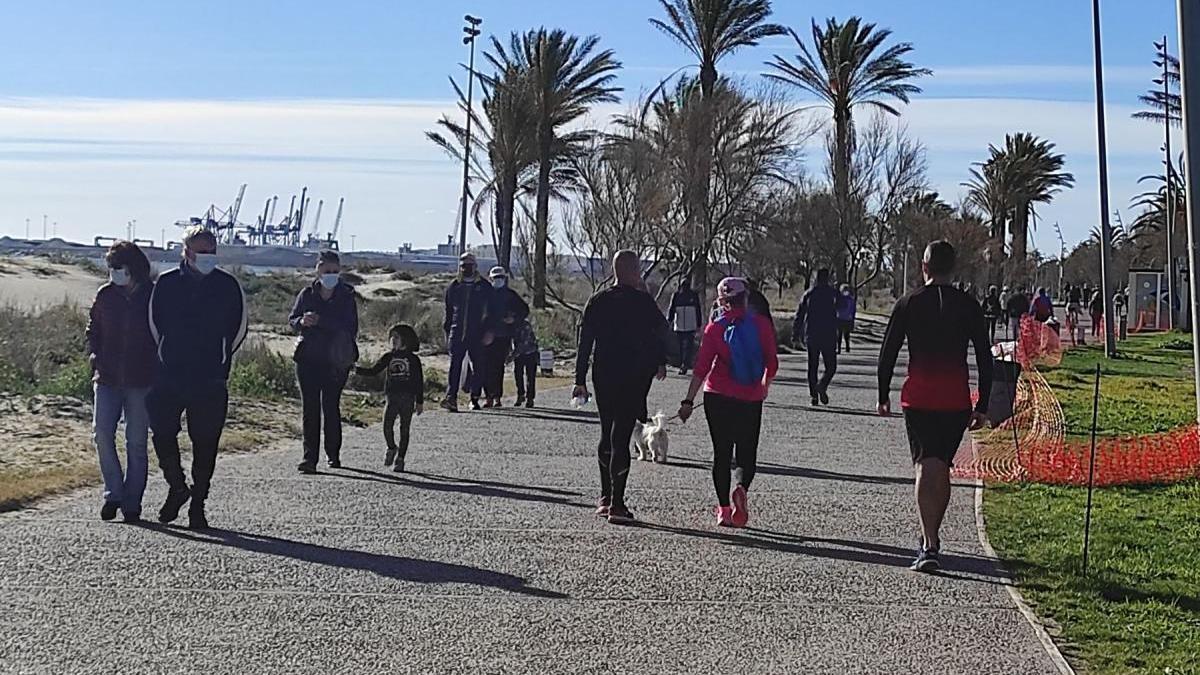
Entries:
{"x":121,"y":486}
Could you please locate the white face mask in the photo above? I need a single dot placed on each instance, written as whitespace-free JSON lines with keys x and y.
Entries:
{"x":119,"y":277}
{"x":329,"y":281}
{"x":498,"y":282}
{"x":205,"y":263}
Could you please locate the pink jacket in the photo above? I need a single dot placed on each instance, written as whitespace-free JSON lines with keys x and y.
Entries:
{"x":713,"y":362}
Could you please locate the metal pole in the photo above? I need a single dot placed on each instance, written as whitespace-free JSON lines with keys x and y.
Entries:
{"x":1087,"y":517}
{"x":1110,"y":344}
{"x":44,"y":217}
{"x":1169,"y":211}
{"x":1189,"y":66}
{"x":462,"y":230}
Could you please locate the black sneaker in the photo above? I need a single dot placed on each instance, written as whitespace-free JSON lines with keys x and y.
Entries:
{"x":619,"y":514}
{"x":196,"y":518}
{"x":815,"y":401}
{"x":398,"y":467}
{"x":390,"y":457}
{"x":109,"y":510}
{"x":824,"y":397}
{"x":306,"y":467}
{"x":529,"y":403}
{"x":175,"y":501}
{"x":335,"y":463}
{"x":450,"y":405}
{"x":927,"y":561}
{"x":520,"y":402}
{"x":475,"y":404}
{"x":132,"y":517}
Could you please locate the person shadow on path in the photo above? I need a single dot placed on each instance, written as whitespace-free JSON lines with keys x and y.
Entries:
{"x":395,"y":567}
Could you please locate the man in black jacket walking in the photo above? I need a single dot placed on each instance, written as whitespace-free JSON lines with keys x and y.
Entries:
{"x":816,"y":324}
{"x":684,"y":317}
{"x":625,"y":328}
{"x":198,"y":320}
{"x":468,"y":299}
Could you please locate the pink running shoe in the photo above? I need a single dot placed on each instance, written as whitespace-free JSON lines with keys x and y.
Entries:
{"x":741,"y":506}
{"x":603,"y":504}
{"x":724,"y":516}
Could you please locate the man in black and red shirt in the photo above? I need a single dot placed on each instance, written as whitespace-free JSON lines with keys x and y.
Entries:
{"x":938,"y":321}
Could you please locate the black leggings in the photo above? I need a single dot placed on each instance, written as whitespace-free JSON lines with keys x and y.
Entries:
{"x":321,"y":396}
{"x":734,"y":426}
{"x":620,"y":404}
{"x":399,"y":407}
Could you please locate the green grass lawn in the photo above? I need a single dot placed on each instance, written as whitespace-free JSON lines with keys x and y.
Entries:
{"x":1138,"y":610}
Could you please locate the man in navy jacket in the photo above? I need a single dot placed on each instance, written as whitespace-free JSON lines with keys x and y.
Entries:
{"x":468,"y":299}
{"x":198,"y":320}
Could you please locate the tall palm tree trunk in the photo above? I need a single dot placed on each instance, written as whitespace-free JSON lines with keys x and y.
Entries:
{"x":542,"y":215}
{"x":841,"y":184}
{"x":699,"y":211}
{"x":1020,"y":236}
{"x":505,"y":208}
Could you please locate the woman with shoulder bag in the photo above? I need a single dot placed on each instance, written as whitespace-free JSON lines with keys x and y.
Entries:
{"x":326,"y":317}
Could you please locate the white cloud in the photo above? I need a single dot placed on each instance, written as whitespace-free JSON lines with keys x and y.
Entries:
{"x":94,"y":164}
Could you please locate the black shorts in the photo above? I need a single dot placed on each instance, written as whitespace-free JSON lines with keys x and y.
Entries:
{"x":935,"y":434}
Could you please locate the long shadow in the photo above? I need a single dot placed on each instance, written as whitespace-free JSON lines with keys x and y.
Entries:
{"x":443,"y":484}
{"x":497,"y":484}
{"x":766,"y":468}
{"x":552,"y":415}
{"x":961,"y":565}
{"x":827,"y":409}
{"x":394,"y":567}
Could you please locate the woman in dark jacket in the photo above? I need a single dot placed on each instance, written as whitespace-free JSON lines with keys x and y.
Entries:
{"x":124,"y":364}
{"x":326,"y":317}
{"x":506,"y":311}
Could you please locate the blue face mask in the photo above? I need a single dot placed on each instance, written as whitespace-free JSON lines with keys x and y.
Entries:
{"x":205,"y":263}
{"x":329,"y":281}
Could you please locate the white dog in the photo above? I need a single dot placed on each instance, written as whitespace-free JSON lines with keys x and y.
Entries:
{"x":651,"y":439}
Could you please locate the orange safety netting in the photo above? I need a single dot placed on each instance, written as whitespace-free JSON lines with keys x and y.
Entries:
{"x":1032,"y":445}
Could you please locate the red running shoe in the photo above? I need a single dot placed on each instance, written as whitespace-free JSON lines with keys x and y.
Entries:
{"x":741,"y":506}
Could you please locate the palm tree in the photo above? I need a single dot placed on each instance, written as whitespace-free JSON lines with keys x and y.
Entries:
{"x":1012,"y":182}
{"x":1163,"y":105}
{"x":711,"y":30}
{"x":503,"y":151}
{"x":565,"y":78}
{"x":849,"y":67}
{"x":1035,"y":176}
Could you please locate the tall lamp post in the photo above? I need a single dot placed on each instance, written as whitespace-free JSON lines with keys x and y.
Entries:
{"x":472,"y":32}
{"x":1169,"y":210}
{"x":1110,"y":343}
{"x":1189,"y":67}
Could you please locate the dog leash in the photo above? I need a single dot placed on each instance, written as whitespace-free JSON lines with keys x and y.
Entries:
{"x":694,"y":409}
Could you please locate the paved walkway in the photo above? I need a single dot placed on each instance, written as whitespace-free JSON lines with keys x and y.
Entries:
{"x":488,"y":559}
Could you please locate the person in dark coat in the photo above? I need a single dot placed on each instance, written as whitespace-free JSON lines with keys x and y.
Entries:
{"x":468,"y":299}
{"x":326,"y":317}
{"x":198,"y":319}
{"x":123,"y":360}
{"x":816,"y":324}
{"x":506,"y":313}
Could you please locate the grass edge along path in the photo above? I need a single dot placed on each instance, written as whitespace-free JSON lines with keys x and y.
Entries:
{"x":1139,"y":608}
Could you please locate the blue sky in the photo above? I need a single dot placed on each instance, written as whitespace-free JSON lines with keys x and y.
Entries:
{"x":151,"y":110}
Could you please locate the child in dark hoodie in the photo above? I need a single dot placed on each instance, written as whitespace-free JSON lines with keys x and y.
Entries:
{"x":405,"y":390}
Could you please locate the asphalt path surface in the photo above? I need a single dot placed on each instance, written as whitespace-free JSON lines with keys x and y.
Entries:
{"x":488,"y":558}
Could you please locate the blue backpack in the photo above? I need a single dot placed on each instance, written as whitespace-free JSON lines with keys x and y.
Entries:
{"x":746,"y":362}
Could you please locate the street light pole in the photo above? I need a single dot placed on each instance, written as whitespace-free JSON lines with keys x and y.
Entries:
{"x":1110,"y":343}
{"x":1189,"y":67}
{"x":472,"y":32}
{"x":1169,"y":206}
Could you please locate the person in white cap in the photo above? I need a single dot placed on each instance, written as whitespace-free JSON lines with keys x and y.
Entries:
{"x":506,"y":313}
{"x":466,"y":326}
{"x":736,"y":364}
